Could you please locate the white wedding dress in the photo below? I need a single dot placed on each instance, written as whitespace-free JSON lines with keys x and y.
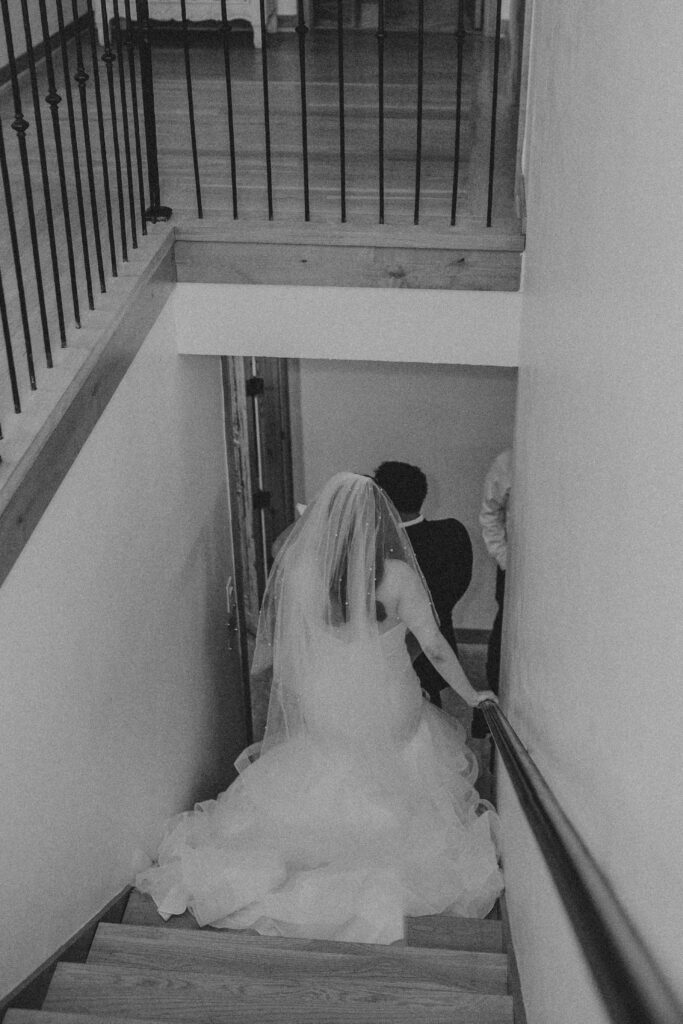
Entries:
{"x":364,"y":813}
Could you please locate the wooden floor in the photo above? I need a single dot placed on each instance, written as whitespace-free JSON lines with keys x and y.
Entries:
{"x":108,"y":230}
{"x":361,"y":131}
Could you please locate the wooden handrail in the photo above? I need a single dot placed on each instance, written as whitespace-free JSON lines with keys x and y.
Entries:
{"x":631,"y":983}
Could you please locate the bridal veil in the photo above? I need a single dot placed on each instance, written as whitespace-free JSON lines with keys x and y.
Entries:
{"x":324,"y":584}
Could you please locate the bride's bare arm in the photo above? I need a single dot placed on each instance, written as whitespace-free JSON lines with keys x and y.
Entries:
{"x":413,"y":608}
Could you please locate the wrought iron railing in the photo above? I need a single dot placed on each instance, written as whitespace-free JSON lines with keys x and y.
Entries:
{"x":345,"y":39}
{"x":84,"y":209}
{"x":84,"y":113}
{"x":633,"y":987}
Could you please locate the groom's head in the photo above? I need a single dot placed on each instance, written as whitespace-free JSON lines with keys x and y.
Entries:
{"x":406,"y":486}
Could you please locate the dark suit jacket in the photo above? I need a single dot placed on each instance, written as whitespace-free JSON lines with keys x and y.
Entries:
{"x":444,"y":553}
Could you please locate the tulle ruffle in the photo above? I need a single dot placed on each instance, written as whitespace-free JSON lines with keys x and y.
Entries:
{"x":319,"y":843}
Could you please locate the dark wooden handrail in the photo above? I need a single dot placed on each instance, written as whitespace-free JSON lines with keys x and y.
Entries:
{"x":631,"y":983}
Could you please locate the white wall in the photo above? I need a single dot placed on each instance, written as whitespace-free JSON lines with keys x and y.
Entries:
{"x":595,"y":647}
{"x":17,"y":24}
{"x":449,"y":420}
{"x":118,"y":707}
{"x":411,"y":325}
{"x":460,"y":414}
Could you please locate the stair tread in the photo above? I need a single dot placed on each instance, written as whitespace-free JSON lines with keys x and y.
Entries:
{"x":434,"y":931}
{"x":17,"y":1016}
{"x":140,"y":947}
{"x":284,"y":1014}
{"x":442,"y":931}
{"x":210,"y":998}
{"x":141,"y":910}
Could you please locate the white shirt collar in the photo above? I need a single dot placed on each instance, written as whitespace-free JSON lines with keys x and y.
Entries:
{"x":413,"y":522}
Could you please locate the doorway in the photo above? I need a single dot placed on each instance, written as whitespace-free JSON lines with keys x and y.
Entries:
{"x":314,"y":417}
{"x":259,"y":460}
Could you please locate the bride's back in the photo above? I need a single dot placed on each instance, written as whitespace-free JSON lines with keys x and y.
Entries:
{"x":336,"y":592}
{"x":401,"y":594}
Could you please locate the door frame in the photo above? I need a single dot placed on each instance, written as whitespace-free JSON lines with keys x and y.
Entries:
{"x":258,"y":450}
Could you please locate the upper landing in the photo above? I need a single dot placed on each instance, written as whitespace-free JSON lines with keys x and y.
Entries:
{"x":365,"y":196}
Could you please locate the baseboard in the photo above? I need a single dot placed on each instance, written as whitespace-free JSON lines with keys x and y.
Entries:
{"x":472,"y":636}
{"x":39,"y":48}
{"x":29,"y":994}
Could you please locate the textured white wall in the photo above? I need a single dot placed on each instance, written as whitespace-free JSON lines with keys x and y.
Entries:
{"x":118,"y":706}
{"x":407,"y":324}
{"x":595,"y":646}
{"x":449,"y":420}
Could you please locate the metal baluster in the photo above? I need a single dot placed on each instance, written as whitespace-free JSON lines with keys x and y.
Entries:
{"x":190,"y":107}
{"x":81,"y":79}
{"x":53,"y":99}
{"x":20,"y":124}
{"x":47,"y":195}
{"x":130,"y":47}
{"x":103,"y":142}
{"x":460,"y":40}
{"x":342,"y":124}
{"x":12,"y":225}
{"x":380,"y":88}
{"x":266,"y":107}
{"x":301,"y":30}
{"x":74,"y":153}
{"x":156,"y":211}
{"x":8,"y":350}
{"x":225,"y":24}
{"x":125,"y":127}
{"x":420,"y":91}
{"x":108,"y":58}
{"x":494,"y":111}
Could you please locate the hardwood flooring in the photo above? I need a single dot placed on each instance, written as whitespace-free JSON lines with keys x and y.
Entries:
{"x":361,"y":130}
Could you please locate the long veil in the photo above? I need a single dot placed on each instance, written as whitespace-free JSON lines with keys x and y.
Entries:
{"x":323,"y":588}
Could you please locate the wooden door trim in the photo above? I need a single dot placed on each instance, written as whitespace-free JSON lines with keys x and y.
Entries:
{"x":241,"y":530}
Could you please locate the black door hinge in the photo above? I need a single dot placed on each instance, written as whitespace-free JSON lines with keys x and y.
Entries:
{"x":261,"y":499}
{"x":255,"y":387}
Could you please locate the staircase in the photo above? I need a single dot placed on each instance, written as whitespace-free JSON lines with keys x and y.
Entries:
{"x":448,"y":971}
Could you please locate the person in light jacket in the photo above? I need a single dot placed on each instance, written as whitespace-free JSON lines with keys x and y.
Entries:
{"x":493,"y":522}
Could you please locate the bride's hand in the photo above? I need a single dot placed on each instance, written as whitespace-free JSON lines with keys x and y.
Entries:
{"x":486,"y":695}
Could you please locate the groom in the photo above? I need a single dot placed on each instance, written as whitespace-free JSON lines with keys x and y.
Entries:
{"x":444,"y":554}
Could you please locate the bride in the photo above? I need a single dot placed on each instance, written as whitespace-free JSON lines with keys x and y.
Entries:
{"x":358,"y":807}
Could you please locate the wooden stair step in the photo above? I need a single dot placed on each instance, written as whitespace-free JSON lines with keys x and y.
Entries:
{"x":436,"y":931}
{"x":51,"y":1017}
{"x":379,"y":1014}
{"x":216,"y":952}
{"x":141,"y":910}
{"x":442,"y":931}
{"x":229,"y":999}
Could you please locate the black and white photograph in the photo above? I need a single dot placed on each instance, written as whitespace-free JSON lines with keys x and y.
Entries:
{"x":341,"y":481}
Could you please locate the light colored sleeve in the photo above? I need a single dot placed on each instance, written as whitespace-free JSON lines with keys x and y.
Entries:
{"x":494,"y":505}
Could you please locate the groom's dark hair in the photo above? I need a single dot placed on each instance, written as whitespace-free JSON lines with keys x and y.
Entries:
{"x":406,"y":485}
